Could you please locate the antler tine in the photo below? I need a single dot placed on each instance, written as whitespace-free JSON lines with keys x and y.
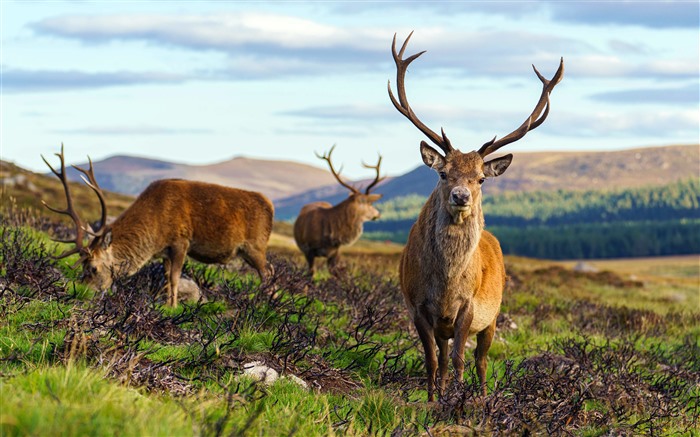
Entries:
{"x":402,"y":104}
{"x":91,"y":182}
{"x":377,"y":179}
{"x":70,"y":209}
{"x":327,"y":157}
{"x":536,"y":118}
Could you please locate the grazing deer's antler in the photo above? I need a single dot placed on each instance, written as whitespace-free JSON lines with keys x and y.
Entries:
{"x":92,"y":183}
{"x":70,"y":211}
{"x":402,"y":105}
{"x":327,"y":157}
{"x":377,"y":179}
{"x":534,"y":120}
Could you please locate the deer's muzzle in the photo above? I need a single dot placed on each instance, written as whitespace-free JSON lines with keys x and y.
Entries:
{"x":460,"y":198}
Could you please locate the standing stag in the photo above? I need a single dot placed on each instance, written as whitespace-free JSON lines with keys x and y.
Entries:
{"x":321,"y":228}
{"x":452,"y":274}
{"x":171,"y":219}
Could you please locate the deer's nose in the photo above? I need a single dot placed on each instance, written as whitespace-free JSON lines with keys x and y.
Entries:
{"x":460,"y":196}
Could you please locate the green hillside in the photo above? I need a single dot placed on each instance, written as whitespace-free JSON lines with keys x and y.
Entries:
{"x":647,"y":221}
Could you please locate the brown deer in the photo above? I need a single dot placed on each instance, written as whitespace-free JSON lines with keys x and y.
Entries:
{"x":321,"y":228}
{"x":171,"y":219}
{"x":452,"y":274}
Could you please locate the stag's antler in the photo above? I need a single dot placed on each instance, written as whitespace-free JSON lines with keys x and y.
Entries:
{"x":81,"y":228}
{"x":402,"y":105}
{"x":69,"y":211}
{"x":92,"y":183}
{"x":534,"y":120}
{"x":377,"y":179}
{"x":327,"y":157}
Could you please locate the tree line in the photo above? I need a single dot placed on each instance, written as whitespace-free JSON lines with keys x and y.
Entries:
{"x":647,"y":221}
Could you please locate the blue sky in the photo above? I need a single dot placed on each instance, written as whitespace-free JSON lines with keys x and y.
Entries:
{"x":201,"y":82}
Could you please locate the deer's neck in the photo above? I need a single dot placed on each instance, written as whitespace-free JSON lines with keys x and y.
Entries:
{"x":134,"y":242}
{"x":348,"y":220}
{"x":454,"y":245}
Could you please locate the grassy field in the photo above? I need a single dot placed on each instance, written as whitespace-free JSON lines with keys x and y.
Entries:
{"x":612,"y":352}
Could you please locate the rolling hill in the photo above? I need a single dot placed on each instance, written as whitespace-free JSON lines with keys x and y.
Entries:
{"x":541,"y":171}
{"x":275,"y":179}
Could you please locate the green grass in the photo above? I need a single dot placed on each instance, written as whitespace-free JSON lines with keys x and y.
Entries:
{"x":146,"y":369}
{"x":73,"y":400}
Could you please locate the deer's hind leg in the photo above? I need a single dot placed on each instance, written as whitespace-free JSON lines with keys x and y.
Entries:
{"x":483,"y":343}
{"x":173,"y":263}
{"x":310,"y":256}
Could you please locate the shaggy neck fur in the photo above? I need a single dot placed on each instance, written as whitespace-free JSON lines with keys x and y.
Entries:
{"x":453,"y":245}
{"x":348,"y":215}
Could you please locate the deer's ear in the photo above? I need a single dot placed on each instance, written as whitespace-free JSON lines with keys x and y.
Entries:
{"x":106,"y":239}
{"x":431,"y":157}
{"x":374,"y":197}
{"x":498,"y":166}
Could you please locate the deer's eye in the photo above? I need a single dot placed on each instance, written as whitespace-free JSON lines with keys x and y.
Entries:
{"x":481,"y":181}
{"x":443,"y":175}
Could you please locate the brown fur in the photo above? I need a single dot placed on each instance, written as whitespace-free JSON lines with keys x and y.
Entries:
{"x":452,"y":273}
{"x":174,"y":218}
{"x":321,"y":228}
{"x":171,"y":219}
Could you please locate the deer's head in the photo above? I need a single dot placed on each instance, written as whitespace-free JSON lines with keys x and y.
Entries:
{"x":361,"y":203}
{"x":461,"y":174}
{"x":95,"y":256}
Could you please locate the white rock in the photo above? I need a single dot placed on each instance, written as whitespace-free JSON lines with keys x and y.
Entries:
{"x":585,"y":267}
{"x":300,"y":382}
{"x":260,"y":372}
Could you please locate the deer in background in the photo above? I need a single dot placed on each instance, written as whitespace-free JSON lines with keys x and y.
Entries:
{"x":321,"y":228}
{"x":170,"y":219}
{"x":452,"y":273}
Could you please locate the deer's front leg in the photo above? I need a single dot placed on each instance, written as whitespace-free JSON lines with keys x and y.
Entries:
{"x":427,"y":338}
{"x":443,"y":360}
{"x":333,"y":262}
{"x":462,"y":325}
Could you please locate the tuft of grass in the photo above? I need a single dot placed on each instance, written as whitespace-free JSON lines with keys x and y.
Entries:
{"x":74,"y":400}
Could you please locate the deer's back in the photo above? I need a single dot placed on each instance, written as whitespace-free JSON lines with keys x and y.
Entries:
{"x":204,"y":214}
{"x":309,"y":225}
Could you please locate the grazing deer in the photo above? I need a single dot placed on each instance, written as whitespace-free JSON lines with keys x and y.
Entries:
{"x":452,"y":274}
{"x":171,"y":218}
{"x":321,"y":228}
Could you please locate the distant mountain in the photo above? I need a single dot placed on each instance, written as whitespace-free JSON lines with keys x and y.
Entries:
{"x":541,"y":171}
{"x":275,"y":179}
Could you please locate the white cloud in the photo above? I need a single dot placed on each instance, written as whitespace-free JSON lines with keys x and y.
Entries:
{"x":134,"y":130}
{"x":221,"y":31}
{"x":668,"y":124}
{"x":20,"y":80}
{"x":272,"y":45}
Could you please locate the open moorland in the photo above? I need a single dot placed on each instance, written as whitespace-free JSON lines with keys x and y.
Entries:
{"x":609,"y":352}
